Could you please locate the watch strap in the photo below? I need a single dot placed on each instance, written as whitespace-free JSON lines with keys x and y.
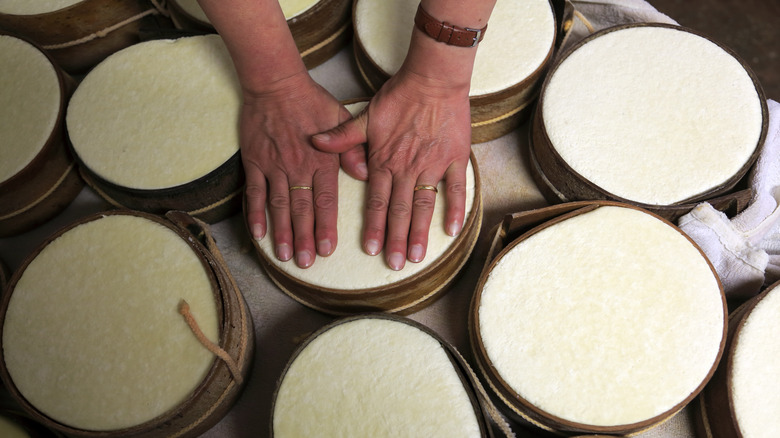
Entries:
{"x":447,"y":33}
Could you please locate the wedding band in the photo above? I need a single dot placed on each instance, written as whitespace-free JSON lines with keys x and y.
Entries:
{"x":424,"y":187}
{"x":300,"y":188}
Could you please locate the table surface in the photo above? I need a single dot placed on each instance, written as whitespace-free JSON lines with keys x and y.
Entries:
{"x":280,"y":322}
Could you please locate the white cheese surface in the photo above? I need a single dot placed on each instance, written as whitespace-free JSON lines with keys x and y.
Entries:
{"x":158,"y":114}
{"x":373,"y":378}
{"x":32,"y":7}
{"x":608,"y":318}
{"x":290,"y":8}
{"x":519,"y":37}
{"x":92,"y":336}
{"x":30,"y":99}
{"x":653,"y":115}
{"x":755,"y":371}
{"x":349,"y":267}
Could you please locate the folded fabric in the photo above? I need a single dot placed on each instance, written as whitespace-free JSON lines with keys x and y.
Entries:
{"x":745,"y":250}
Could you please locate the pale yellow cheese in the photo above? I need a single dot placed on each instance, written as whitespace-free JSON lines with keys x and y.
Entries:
{"x":349,"y":267}
{"x":290,"y":8}
{"x":9,"y":429}
{"x":519,"y":38}
{"x":92,"y":336}
{"x":653,"y":115}
{"x":608,"y":318}
{"x":30,"y":100}
{"x":373,"y":378}
{"x":33,"y":7}
{"x":158,"y":114}
{"x":755,"y":371}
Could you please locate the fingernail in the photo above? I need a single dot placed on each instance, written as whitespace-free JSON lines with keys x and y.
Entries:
{"x":258,"y":232}
{"x":372,"y":247}
{"x":362,"y":169}
{"x":303,"y":259}
{"x":324,"y":247}
{"x":322,"y":137}
{"x":453,"y":229}
{"x":283,"y":252}
{"x":416,"y":253}
{"x":396,"y":261}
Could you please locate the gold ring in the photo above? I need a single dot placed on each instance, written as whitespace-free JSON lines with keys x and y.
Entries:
{"x":424,"y":187}
{"x":300,"y":188}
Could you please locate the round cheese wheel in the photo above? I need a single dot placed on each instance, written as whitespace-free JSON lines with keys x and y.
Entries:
{"x":377,"y":377}
{"x":26,"y":7}
{"x":92,"y":337}
{"x":606,"y":320}
{"x":754,"y":370}
{"x":30,"y":104}
{"x":516,"y":44}
{"x":651,"y":114}
{"x":157,"y":114}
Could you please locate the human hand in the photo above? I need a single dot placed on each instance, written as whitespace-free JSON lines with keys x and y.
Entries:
{"x":275,"y":131}
{"x":418,"y":132}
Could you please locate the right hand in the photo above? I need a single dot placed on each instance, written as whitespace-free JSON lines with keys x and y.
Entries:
{"x":276,"y":126}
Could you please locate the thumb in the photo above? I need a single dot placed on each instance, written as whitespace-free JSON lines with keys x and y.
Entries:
{"x":343,"y":137}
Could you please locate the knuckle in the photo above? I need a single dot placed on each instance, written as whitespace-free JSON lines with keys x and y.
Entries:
{"x":400,"y":209}
{"x":254,"y":191}
{"x":426,"y":202}
{"x":278,"y":201}
{"x":456,"y":188}
{"x":325,"y":200}
{"x":300,"y":207}
{"x":376,"y":203}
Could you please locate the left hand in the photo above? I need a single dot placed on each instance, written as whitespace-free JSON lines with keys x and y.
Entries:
{"x":418,"y":132}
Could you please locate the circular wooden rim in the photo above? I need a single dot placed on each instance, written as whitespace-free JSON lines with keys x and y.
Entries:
{"x":529,"y":412}
{"x":374,"y":75}
{"x":402,"y":296}
{"x":221,"y":294}
{"x":460,"y":368}
{"x":540,"y":140}
{"x":54,"y":141}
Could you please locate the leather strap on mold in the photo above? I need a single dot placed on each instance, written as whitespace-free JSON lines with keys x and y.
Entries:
{"x":184,"y":310}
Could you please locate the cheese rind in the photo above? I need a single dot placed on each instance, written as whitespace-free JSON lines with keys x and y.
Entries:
{"x":609,"y":318}
{"x":373,"y":377}
{"x":654,"y":115}
{"x":92,"y":336}
{"x":158,"y":114}
{"x":28,"y":7}
{"x":30,"y":101}
{"x":519,"y":38}
{"x":755,"y":370}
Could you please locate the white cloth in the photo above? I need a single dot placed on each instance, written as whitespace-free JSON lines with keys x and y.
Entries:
{"x":745,"y":250}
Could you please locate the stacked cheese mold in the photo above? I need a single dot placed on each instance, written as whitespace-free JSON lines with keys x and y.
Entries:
{"x":68,"y":29}
{"x":320,"y":28}
{"x":98,"y":330}
{"x":508,"y":70}
{"x":744,"y":396}
{"x":156,"y":128}
{"x":38,"y":175}
{"x":350,"y":281}
{"x":401,"y":381}
{"x":649,"y":114}
{"x":606,"y":319}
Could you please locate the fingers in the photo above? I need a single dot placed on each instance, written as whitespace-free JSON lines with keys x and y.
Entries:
{"x":424,"y":201}
{"x":353,"y":162}
{"x":343,"y":137}
{"x":326,"y":211}
{"x":255,"y":193}
{"x":455,"y":178}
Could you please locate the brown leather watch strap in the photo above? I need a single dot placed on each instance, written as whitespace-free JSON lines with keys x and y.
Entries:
{"x":447,"y":33}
